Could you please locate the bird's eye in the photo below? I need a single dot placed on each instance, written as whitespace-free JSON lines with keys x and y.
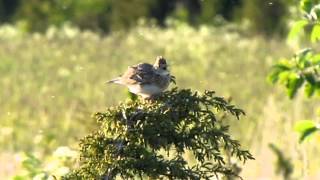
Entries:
{"x":164,"y":68}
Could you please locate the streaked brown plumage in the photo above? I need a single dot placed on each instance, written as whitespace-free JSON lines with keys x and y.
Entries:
{"x":145,"y":79}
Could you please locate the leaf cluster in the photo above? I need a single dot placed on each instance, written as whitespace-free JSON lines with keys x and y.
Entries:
{"x":302,"y":69}
{"x":310,"y":21}
{"x":149,"y":138}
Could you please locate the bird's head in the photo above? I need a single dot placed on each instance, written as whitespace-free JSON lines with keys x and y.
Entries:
{"x":161,"y":66}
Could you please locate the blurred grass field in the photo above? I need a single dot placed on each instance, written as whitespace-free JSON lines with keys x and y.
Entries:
{"x":51,"y":83}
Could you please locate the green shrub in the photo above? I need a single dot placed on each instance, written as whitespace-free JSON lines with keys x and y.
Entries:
{"x":142,"y":138}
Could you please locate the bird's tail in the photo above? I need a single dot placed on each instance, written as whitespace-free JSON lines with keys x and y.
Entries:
{"x":116,"y":80}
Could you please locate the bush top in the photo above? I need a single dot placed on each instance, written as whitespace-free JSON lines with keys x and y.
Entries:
{"x":133,"y":136}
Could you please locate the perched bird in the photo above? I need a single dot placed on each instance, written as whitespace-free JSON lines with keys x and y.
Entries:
{"x":145,"y":79}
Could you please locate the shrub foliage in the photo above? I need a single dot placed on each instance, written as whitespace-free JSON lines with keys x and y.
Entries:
{"x":149,"y":139}
{"x":302,"y":70}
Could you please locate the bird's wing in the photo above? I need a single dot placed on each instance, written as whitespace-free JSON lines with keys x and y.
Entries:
{"x":142,"y":73}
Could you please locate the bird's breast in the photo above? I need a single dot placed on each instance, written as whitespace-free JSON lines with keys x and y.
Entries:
{"x":147,"y":89}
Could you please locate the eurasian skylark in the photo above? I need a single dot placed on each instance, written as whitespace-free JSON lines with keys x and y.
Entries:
{"x":145,"y":79}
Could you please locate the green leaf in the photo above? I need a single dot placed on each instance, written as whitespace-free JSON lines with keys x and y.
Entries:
{"x":304,"y":52}
{"x":277,"y":70}
{"x":306,"y":5}
{"x":132,"y":96}
{"x":315,"y":34}
{"x":282,"y":67}
{"x":173,"y":79}
{"x":303,"y":125}
{"x":317,"y":88}
{"x":294,"y":83}
{"x":307,"y":133}
{"x":18,"y":177}
{"x":297,"y":28}
{"x":310,"y":78}
{"x":284,"y":76}
{"x":273,"y":77}
{"x":315,"y":59}
{"x":309,"y":90}
{"x":306,"y":128}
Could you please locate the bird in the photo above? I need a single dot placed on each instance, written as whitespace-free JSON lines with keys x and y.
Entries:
{"x":146,"y":80}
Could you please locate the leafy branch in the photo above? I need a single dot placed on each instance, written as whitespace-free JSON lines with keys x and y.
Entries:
{"x":148,"y":139}
{"x":303,"y":69}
